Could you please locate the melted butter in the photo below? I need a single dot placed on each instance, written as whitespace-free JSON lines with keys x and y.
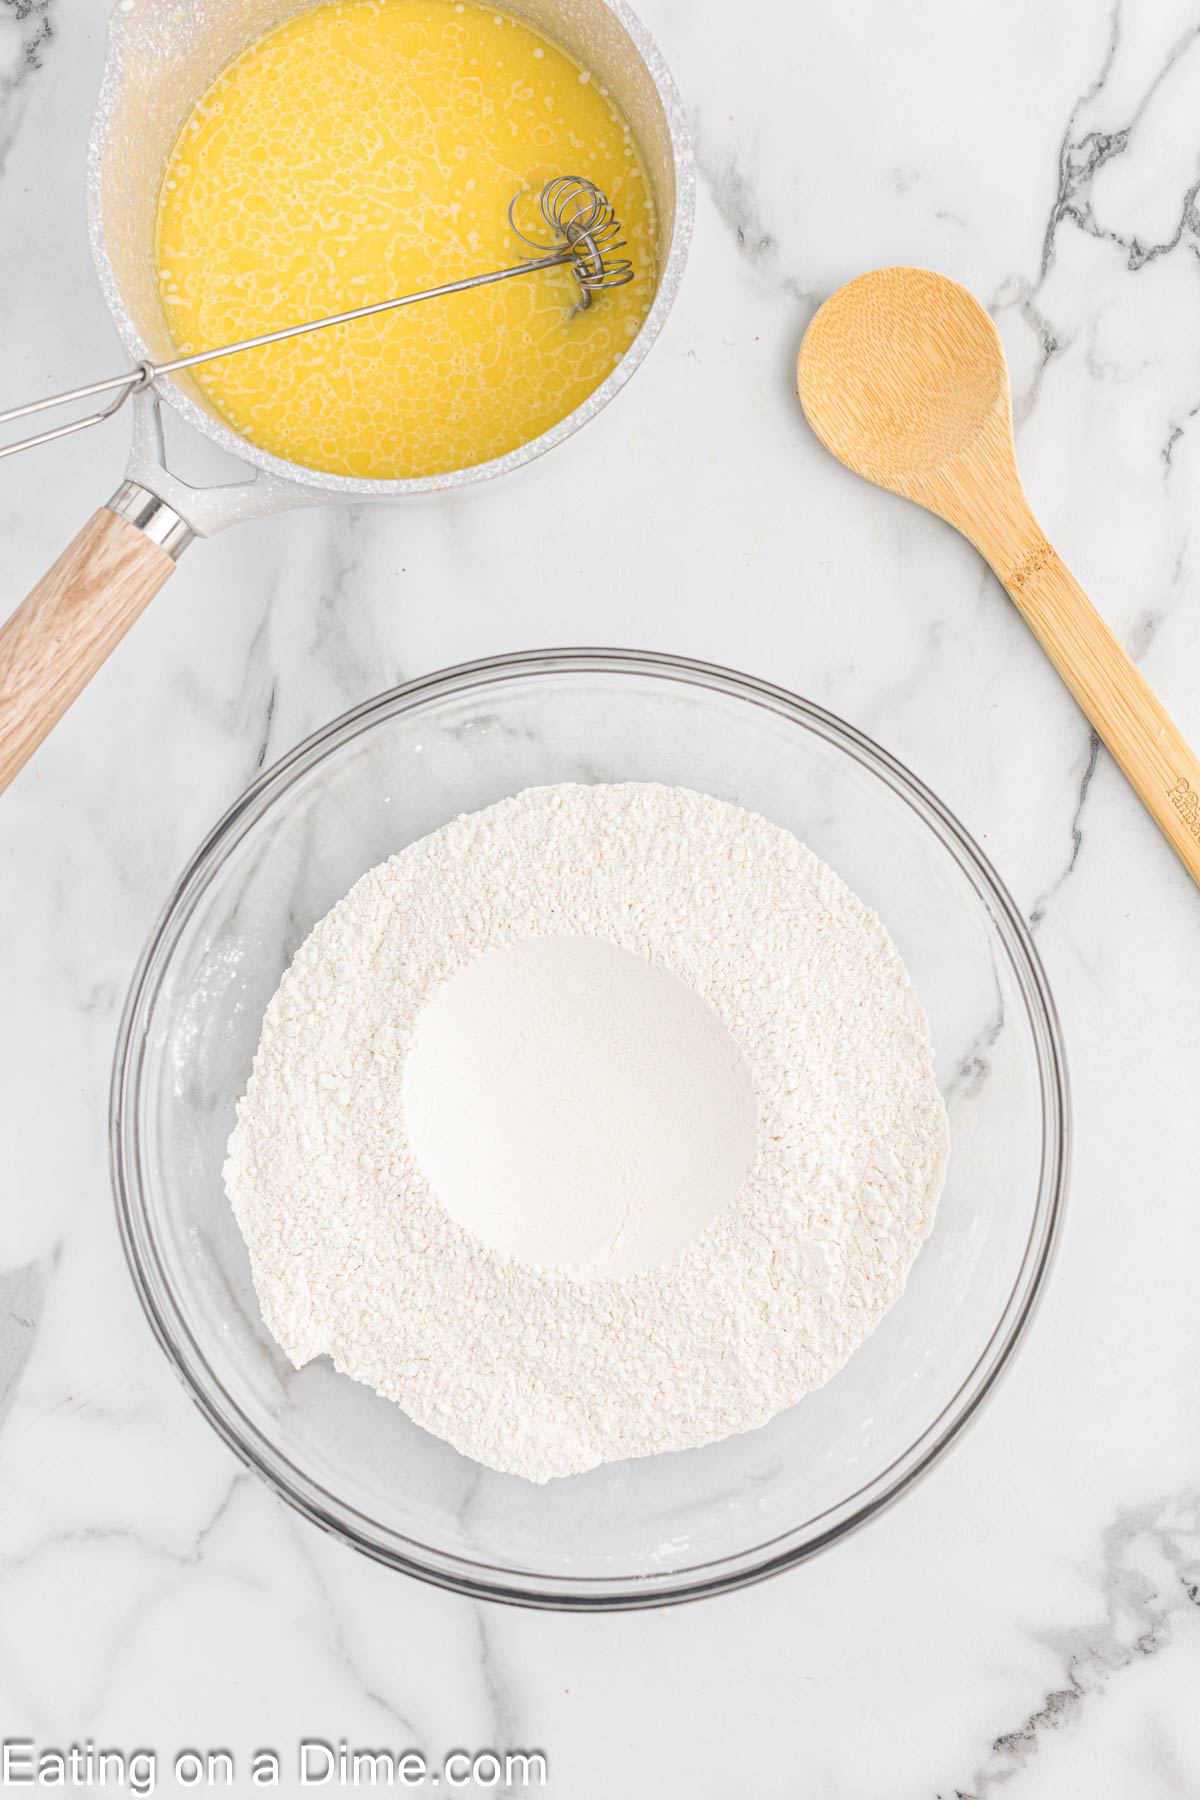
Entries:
{"x":370,"y":148}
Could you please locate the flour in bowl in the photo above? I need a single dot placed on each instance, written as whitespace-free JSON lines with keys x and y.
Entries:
{"x":597,"y":1123}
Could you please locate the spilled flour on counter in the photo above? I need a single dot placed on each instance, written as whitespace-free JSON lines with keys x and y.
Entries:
{"x":598,"y":1123}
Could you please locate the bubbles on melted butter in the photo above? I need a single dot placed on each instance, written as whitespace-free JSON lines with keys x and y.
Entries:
{"x":370,"y":148}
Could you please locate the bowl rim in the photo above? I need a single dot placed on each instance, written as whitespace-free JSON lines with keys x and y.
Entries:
{"x":473,"y":1577}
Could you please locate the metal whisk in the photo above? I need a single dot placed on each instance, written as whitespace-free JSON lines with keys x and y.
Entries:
{"x":586,"y":236}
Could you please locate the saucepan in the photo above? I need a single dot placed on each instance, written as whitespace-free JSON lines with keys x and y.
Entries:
{"x":161,"y":56}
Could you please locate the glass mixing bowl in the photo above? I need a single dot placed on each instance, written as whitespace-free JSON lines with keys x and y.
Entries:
{"x":669,"y":1527}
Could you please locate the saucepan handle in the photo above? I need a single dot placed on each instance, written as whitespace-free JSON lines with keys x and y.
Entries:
{"x":78,"y":612}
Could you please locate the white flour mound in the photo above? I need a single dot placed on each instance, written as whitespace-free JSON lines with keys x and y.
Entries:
{"x":544,"y":1371}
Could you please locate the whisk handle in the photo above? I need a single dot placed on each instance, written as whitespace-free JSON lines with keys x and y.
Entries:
{"x":61,"y":633}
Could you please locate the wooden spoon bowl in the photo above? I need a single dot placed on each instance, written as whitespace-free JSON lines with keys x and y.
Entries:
{"x":920,"y":367}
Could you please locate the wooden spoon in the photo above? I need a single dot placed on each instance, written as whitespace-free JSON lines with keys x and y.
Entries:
{"x":903,"y":377}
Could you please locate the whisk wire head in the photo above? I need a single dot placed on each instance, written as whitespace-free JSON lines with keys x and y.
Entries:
{"x":580,"y":217}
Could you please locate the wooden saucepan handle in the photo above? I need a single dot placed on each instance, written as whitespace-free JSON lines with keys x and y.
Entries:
{"x":1128,"y":716}
{"x":61,"y":633}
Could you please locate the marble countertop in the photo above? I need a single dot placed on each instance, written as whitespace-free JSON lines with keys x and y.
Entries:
{"x":1025,"y":1622}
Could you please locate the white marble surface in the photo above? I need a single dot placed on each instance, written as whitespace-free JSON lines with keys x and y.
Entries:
{"x":1028,"y":1620}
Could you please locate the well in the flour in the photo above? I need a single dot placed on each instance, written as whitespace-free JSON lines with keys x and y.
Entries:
{"x":574,"y":1106}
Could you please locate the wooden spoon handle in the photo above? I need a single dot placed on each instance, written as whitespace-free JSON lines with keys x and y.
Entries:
{"x":58,"y":637}
{"x":1126,"y":712}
